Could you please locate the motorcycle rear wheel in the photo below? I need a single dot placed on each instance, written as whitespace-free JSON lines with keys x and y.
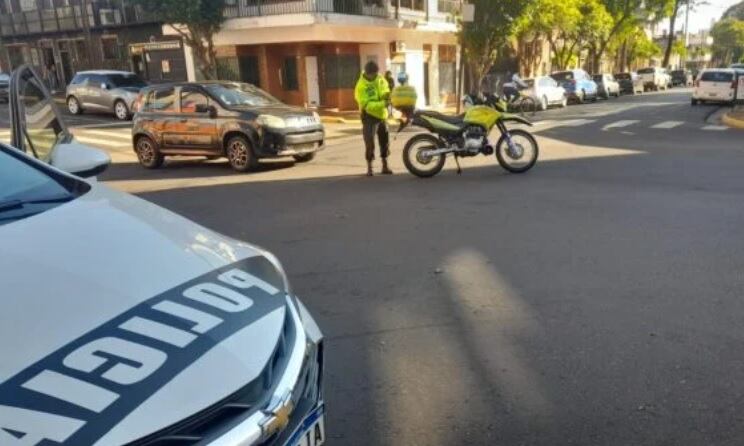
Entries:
{"x":419,"y":165}
{"x":517,"y":162}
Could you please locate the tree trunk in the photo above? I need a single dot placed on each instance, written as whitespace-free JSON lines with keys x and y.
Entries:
{"x":670,"y":39}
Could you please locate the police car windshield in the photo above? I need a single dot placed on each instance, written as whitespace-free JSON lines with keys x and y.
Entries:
{"x":241,"y":94}
{"x":26,"y":190}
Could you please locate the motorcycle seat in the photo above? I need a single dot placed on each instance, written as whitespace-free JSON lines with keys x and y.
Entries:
{"x":451,"y":119}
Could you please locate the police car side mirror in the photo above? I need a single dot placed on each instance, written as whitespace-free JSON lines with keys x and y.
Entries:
{"x":79,"y":159}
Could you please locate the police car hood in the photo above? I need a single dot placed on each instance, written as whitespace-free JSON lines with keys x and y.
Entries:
{"x":99,"y":326}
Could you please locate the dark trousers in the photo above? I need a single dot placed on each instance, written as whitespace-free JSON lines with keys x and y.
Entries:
{"x":370,"y":127}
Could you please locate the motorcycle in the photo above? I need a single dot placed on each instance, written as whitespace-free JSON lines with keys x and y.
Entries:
{"x":466,"y":135}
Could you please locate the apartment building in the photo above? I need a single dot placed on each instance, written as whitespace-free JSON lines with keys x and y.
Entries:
{"x":311,"y":52}
{"x":61,"y":37}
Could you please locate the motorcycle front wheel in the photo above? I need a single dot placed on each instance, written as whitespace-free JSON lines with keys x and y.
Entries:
{"x":417,"y":162}
{"x":521,"y":156}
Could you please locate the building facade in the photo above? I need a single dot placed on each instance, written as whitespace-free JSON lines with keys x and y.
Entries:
{"x":61,"y":37}
{"x":311,"y":52}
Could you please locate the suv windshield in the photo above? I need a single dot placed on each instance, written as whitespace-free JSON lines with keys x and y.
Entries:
{"x":241,"y":94}
{"x":646,"y":71}
{"x":26,"y":190}
{"x":622,"y":76}
{"x":126,"y":80}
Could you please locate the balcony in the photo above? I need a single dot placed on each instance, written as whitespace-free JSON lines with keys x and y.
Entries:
{"x":255,"y":8}
{"x":99,"y":14}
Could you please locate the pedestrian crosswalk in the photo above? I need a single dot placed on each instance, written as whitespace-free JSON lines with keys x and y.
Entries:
{"x":626,"y":124}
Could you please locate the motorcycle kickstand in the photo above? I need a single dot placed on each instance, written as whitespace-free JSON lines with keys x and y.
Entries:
{"x":457,"y":161}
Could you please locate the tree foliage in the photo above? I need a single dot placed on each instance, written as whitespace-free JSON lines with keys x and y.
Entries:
{"x":728,"y":40}
{"x":196,"y":21}
{"x":487,"y":37}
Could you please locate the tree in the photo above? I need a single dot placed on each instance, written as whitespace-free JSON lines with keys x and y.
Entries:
{"x":488,"y":36}
{"x":641,"y":48}
{"x":558,"y":21}
{"x":196,"y":21}
{"x":735,"y":12}
{"x":671,"y":35}
{"x":728,"y":40}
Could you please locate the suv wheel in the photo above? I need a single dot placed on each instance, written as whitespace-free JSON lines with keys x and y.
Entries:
{"x":121,"y":111}
{"x":147,"y":153}
{"x":73,"y":106}
{"x":240,"y":154}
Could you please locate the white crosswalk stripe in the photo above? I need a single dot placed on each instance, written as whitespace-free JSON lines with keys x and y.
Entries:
{"x":103,"y":142}
{"x":105,"y":133}
{"x":575,"y":122}
{"x":715,"y":127}
{"x":667,"y":125}
{"x":620,"y":124}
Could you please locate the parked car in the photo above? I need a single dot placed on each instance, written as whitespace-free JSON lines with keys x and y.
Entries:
{"x":737,"y":66}
{"x":654,"y":78}
{"x":546,"y":92}
{"x":235,"y":120}
{"x":578,"y":84}
{"x":714,"y":85}
{"x":630,"y":82}
{"x":607,"y":85}
{"x":4,"y":81}
{"x":139,"y":326}
{"x":104,"y":91}
{"x":682,"y":77}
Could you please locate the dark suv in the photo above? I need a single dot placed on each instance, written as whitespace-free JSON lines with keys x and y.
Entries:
{"x":219,"y":118}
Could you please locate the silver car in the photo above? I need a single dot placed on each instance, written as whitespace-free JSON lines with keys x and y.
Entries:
{"x":104,"y":91}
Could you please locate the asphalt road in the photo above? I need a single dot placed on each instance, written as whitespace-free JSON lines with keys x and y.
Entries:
{"x":596,"y":300}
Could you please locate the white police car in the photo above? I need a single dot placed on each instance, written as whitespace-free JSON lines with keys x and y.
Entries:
{"x":122,"y":323}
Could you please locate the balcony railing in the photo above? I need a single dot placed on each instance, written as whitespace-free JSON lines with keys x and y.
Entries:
{"x":99,"y":14}
{"x":254,"y":8}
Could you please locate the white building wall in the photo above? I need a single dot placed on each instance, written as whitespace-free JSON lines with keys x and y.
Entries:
{"x":379,"y":52}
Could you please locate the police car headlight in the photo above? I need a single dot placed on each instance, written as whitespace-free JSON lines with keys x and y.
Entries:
{"x":271,"y":121}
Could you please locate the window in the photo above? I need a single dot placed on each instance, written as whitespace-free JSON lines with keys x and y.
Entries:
{"x":163,"y":100}
{"x":447,"y":69}
{"x":110,"y":48}
{"x":241,"y":94}
{"x":28,"y":5}
{"x":289,"y":74}
{"x":717,"y":76}
{"x":341,"y":71}
{"x":418,"y":5}
{"x":79,"y":79}
{"x":190,"y":98}
{"x":125,"y":80}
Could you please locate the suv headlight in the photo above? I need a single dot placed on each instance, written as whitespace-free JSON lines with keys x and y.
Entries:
{"x":271,"y":121}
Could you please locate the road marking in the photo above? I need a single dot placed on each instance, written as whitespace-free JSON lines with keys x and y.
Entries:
{"x":106,"y":134}
{"x":575,"y":122}
{"x":101,"y":142}
{"x":667,"y":125}
{"x":619,"y":124}
{"x":715,"y":127}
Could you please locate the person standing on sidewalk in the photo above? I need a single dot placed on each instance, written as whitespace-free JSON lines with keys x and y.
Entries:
{"x":372,"y":94}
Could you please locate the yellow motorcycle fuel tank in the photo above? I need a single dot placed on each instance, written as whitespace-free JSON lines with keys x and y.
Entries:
{"x":482,"y":116}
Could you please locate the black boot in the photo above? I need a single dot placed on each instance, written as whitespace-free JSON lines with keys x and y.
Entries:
{"x":369,"y":169}
{"x":385,"y":169}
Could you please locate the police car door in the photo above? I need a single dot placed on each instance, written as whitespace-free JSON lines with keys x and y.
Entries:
{"x":37,"y":128}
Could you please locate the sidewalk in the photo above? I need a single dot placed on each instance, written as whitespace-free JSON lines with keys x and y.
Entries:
{"x":734,"y":118}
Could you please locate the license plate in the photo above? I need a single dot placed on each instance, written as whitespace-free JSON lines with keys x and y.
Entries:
{"x":712,"y":94}
{"x":311,"y":432}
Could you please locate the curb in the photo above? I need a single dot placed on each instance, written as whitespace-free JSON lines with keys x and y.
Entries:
{"x":732,"y":122}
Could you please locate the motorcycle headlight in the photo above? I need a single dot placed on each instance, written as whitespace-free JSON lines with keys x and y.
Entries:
{"x":271,"y":121}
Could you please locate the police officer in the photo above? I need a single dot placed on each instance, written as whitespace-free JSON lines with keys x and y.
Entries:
{"x":372,"y":94}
